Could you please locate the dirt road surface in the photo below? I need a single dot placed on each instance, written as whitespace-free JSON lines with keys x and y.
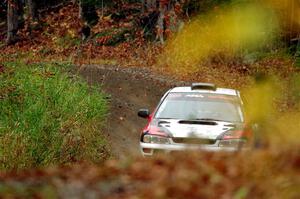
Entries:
{"x":130,"y":89}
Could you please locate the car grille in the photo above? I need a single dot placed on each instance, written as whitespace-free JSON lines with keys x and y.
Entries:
{"x":193,"y":141}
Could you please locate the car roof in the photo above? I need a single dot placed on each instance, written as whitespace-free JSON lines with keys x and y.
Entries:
{"x":188,"y":89}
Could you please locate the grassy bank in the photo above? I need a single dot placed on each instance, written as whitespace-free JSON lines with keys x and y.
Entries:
{"x":48,"y":117}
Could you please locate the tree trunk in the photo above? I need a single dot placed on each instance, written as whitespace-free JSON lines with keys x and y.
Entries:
{"x":143,"y":6}
{"x":151,"y":4}
{"x":12,"y":21}
{"x":87,"y":12}
{"x":161,"y":22}
{"x":80,"y":15}
{"x":32,"y":8}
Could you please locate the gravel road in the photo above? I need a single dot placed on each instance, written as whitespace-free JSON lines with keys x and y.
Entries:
{"x":130,"y":89}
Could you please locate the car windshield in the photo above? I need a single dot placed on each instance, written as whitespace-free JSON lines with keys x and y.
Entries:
{"x":198,"y":106}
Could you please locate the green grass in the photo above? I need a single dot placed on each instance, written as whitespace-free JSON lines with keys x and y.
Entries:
{"x":49,"y":117}
{"x":68,"y":41}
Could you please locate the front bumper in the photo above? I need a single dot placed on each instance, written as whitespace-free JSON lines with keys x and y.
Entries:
{"x":148,"y":149}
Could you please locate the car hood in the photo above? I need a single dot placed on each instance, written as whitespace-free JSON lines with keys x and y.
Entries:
{"x":195,"y":129}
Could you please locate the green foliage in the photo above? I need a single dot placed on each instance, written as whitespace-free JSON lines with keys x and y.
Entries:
{"x":200,"y":6}
{"x":297,"y":55}
{"x":67,"y":41}
{"x":203,"y":6}
{"x":294,"y":89}
{"x":96,"y":2}
{"x":48,"y":118}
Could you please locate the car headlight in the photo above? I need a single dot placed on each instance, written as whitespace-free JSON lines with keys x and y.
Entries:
{"x":155,"y":139}
{"x":236,"y":143}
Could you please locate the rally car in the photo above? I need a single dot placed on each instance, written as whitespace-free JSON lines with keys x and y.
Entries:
{"x":196,"y":117}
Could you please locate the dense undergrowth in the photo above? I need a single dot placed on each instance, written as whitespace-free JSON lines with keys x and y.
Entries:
{"x":49,"y":117}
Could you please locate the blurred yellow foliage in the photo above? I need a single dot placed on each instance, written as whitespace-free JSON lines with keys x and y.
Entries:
{"x":225,"y":31}
{"x":263,"y":106}
{"x":259,"y":102}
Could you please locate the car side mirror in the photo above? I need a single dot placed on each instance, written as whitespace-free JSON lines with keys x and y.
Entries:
{"x":144,"y":113}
